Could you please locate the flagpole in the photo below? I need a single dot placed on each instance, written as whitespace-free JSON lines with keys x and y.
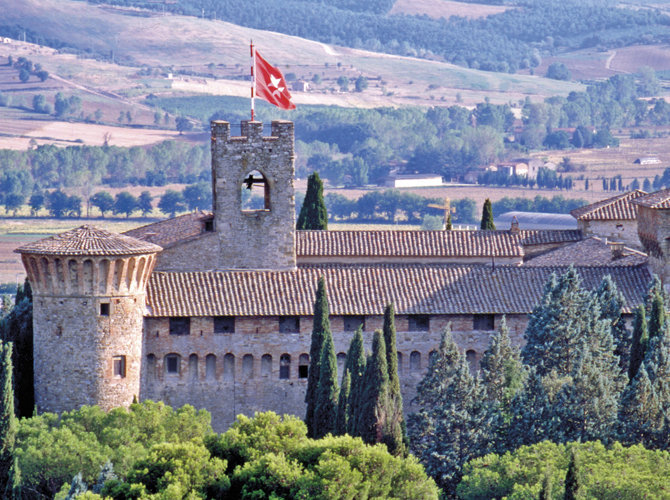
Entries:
{"x":253,"y":79}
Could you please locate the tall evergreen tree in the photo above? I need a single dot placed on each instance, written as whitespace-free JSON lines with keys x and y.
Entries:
{"x":572,"y":485}
{"x":452,"y":424}
{"x":656,"y":322}
{"x":325,"y":408}
{"x":373,"y":411}
{"x":356,"y":364}
{"x":320,"y":327}
{"x":501,"y":369}
{"x":657,"y":364}
{"x":394,"y":433}
{"x":447,"y":223}
{"x":640,"y":417}
{"x":343,"y":405}
{"x":8,"y":424}
{"x":611,"y":302}
{"x":313,"y":213}
{"x":639,"y":342}
{"x":565,"y":317}
{"x":487,"y":216}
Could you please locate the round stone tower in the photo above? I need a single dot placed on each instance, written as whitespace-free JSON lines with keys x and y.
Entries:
{"x":88,"y":307}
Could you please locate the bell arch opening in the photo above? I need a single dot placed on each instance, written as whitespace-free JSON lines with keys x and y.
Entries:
{"x":255,"y":192}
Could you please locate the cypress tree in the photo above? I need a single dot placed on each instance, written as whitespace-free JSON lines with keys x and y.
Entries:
{"x":343,"y":405}
{"x":319,"y":329}
{"x":657,"y":364}
{"x":487,"y":216}
{"x":355,"y":367}
{"x":373,"y":412}
{"x":611,"y":302}
{"x":639,"y":342}
{"x":313,"y":213}
{"x":8,"y":424}
{"x":640,"y":417}
{"x":572,"y":478}
{"x":447,"y":224}
{"x":656,"y":315}
{"x":325,"y":409}
{"x":395,"y":423}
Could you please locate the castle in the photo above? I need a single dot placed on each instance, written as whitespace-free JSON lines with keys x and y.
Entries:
{"x":215,"y":309}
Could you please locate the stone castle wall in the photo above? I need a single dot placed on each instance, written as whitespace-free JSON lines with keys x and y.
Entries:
{"x":254,"y":239}
{"x":241,"y":372}
{"x":620,"y":231}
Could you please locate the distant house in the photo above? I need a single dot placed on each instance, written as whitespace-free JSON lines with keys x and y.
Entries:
{"x":300,"y":86}
{"x":647,"y":160}
{"x":6,"y":40}
{"x":413,"y":180}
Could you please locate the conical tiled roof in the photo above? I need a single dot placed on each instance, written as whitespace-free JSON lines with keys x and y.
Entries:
{"x":89,"y":240}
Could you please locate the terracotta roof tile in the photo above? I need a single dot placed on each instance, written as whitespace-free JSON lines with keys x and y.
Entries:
{"x":168,"y":232}
{"x":89,"y":240}
{"x":589,"y":252}
{"x":407,"y":243}
{"x":531,"y":237}
{"x":659,"y":199}
{"x":619,"y":207}
{"x":366,"y":289}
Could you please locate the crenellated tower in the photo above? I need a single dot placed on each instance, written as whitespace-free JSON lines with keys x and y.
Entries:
{"x":88,"y":307}
{"x":260,"y":234}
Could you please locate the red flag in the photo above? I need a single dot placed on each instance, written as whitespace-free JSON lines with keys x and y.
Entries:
{"x":270,"y":84}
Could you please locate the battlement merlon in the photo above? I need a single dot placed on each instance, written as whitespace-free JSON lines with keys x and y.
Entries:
{"x":252,"y":132}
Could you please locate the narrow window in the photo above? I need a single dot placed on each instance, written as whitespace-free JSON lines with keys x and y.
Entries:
{"x":341,"y":361}
{"x":172,"y":364}
{"x":224,"y":324}
{"x":418,"y":322}
{"x":180,"y":326}
{"x":210,"y":367}
{"x":303,"y":366}
{"x":209,"y":225}
{"x":229,"y":367}
{"x":415,"y":361}
{"x":289,"y":324}
{"x":351,"y":323}
{"x":104,"y":309}
{"x":400,"y":365}
{"x":285,"y":366}
{"x":151,"y":367}
{"x":193,"y":366}
{"x":483,"y":322}
{"x":248,"y":366}
{"x":266,"y":365}
{"x":119,"y":363}
{"x":471,"y":357}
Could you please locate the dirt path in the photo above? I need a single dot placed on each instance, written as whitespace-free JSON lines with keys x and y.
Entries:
{"x":610,"y":58}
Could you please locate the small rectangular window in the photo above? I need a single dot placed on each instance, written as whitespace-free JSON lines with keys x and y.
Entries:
{"x":351,"y":323}
{"x":289,"y":324}
{"x":172,"y":363}
{"x":180,"y":326}
{"x":119,"y":363}
{"x":224,"y":324}
{"x":303,"y":370}
{"x":104,"y":309}
{"x":483,"y":322}
{"x":209,"y":226}
{"x":418,"y":323}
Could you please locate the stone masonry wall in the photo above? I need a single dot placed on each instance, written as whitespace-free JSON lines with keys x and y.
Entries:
{"x":198,"y":254}
{"x":624,"y":231}
{"x":254,"y":239}
{"x":233,"y":373}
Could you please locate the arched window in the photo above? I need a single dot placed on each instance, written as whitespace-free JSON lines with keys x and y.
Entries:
{"x":255,"y":193}
{"x":172,"y":364}
{"x":229,"y":367}
{"x":266,"y":365}
{"x":341,"y":361}
{"x":471,"y":356}
{"x":210,"y":367}
{"x":415,"y":362}
{"x":248,"y":366}
{"x":303,"y":365}
{"x":285,"y":366}
{"x":401,"y":368}
{"x":193,"y":367}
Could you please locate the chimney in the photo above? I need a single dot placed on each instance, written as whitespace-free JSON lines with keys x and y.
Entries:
{"x":617,"y":250}
{"x":514,"y":228}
